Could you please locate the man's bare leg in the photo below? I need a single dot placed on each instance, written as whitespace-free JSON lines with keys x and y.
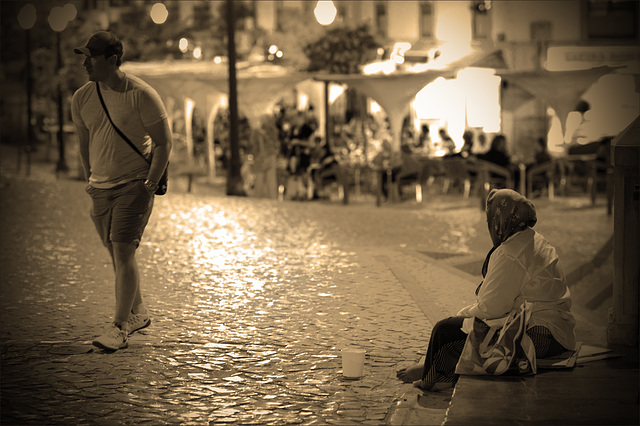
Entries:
{"x":137,"y":306}
{"x":127,"y":280}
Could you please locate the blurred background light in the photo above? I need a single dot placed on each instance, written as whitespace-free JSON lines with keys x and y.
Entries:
{"x":335,"y":91}
{"x":183,"y":45}
{"x":58,"y":19}
{"x":159,"y":13}
{"x":325,"y":12}
{"x":27,"y":16}
{"x":69,"y":11}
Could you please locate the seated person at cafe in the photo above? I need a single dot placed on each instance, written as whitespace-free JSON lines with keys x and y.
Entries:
{"x":299,"y":154}
{"x":402,"y":166}
{"x":521,"y":267}
{"x":542,"y":156}
{"x":497,"y":153}
{"x":465,"y":151}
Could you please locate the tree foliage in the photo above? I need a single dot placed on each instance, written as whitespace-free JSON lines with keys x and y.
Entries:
{"x":342,"y":50}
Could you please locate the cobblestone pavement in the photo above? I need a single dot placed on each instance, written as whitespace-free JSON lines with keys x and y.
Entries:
{"x":251,"y":302}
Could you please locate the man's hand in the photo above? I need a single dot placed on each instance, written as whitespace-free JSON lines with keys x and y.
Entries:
{"x":151,"y":187}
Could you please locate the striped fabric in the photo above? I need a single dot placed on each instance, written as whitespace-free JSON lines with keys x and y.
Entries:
{"x":447,"y":342}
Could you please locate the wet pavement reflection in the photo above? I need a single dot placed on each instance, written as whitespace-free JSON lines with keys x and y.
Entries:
{"x":251,"y":302}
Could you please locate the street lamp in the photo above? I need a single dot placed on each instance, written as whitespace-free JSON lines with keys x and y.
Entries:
{"x":325,"y":13}
{"x":58,"y":19}
{"x":234,"y":177}
{"x":27,"y":19}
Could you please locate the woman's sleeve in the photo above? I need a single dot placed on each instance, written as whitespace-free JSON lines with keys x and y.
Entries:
{"x":501,"y":287}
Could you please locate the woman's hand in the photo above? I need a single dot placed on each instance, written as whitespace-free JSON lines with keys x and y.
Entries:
{"x":464,"y":312}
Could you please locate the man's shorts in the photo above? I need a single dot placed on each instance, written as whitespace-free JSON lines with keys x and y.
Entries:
{"x":121,"y":213}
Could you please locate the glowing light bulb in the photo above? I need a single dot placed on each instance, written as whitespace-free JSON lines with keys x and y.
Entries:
{"x":325,"y":12}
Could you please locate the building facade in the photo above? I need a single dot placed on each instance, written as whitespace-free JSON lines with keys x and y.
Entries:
{"x":529,"y":35}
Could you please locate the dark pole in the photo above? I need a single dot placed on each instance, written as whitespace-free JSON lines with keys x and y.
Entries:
{"x":234,"y":178}
{"x":327,"y":124}
{"x":29,"y":109}
{"x":62,"y":165}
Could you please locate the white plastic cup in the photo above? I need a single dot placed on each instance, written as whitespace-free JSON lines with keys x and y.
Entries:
{"x":353,"y":363}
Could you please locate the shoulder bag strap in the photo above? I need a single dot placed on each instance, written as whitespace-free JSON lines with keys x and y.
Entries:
{"x":122,"y":135}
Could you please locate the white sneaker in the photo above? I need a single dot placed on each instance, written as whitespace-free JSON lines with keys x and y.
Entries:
{"x":137,"y":322}
{"x":113,"y":339}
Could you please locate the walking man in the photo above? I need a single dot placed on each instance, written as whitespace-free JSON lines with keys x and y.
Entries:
{"x":121,"y":182}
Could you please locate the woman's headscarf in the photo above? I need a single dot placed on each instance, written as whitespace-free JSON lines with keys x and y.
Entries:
{"x":508,"y":212}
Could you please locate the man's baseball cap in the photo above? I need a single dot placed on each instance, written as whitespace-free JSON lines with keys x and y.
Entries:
{"x":101,"y":43}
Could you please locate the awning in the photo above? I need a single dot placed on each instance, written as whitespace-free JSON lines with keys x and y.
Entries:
{"x":561,"y":90}
{"x":255,"y":94}
{"x":394,"y":92}
{"x":513,"y":97}
{"x":258,"y":88}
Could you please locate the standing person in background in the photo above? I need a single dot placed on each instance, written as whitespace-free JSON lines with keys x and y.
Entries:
{"x":264,"y":148}
{"x":121,"y":183}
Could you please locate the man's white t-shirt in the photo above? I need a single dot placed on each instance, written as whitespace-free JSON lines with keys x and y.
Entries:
{"x":132,"y":108}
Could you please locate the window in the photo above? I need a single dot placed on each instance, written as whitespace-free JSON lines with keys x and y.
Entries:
{"x":481,"y":15}
{"x":426,"y":20}
{"x":382,"y":18}
{"x":245,"y":15}
{"x":201,"y":16}
{"x":608,"y":19}
{"x":280,"y":16}
{"x":541,"y":31}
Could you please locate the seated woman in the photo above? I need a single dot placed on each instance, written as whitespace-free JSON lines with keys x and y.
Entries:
{"x":497,"y":154}
{"x":521,"y":267}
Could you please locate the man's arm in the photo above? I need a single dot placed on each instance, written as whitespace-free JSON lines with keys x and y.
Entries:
{"x":161,"y":136}
{"x":83,"y":143}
